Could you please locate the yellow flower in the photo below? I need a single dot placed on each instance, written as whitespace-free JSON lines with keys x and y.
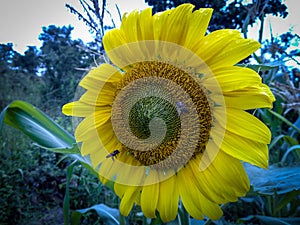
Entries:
{"x":167,"y":121}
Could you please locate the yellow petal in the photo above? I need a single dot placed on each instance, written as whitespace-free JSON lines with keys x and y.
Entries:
{"x":81,"y":109}
{"x":250,"y":98}
{"x":207,"y":184}
{"x":120,"y":189}
{"x":100,"y":75}
{"x":210,"y":209}
{"x":232,"y":78}
{"x":99,"y":98}
{"x":130,"y":26}
{"x":198,"y":23}
{"x":98,"y":151}
{"x":129,"y":198}
{"x":234,"y":52}
{"x":193,"y":199}
{"x":159,"y":21}
{"x":234,"y":175}
{"x":146,"y":24}
{"x":219,"y":185}
{"x":225,"y":48}
{"x":189,"y":193}
{"x":108,"y":168}
{"x":253,"y":152}
{"x":97,"y":155}
{"x":175,"y":26}
{"x":128,"y":168}
{"x":138,"y":25}
{"x":168,"y":199}
{"x":246,"y":125}
{"x":214,"y":42}
{"x":149,"y":195}
{"x":90,"y":125}
{"x":113,"y":39}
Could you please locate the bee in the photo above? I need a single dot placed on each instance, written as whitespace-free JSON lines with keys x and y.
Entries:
{"x":113,"y":154}
{"x":181,"y":108}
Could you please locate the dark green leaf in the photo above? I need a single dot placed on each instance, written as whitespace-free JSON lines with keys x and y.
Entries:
{"x":38,"y":126}
{"x":279,"y":179}
{"x":86,"y":162}
{"x":273,"y":220}
{"x":287,"y":198}
{"x":72,"y":150}
{"x":197,"y":222}
{"x":66,"y":204}
{"x":288,"y":151}
{"x":286,"y":138}
{"x":259,"y":67}
{"x":108,"y":215}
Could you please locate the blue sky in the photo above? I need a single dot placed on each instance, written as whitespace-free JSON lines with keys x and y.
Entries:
{"x":21,"y":21}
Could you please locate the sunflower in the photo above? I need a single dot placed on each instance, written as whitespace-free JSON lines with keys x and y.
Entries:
{"x":167,"y":119}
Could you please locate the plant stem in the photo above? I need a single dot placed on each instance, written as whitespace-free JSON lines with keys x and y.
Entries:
{"x":284,"y":120}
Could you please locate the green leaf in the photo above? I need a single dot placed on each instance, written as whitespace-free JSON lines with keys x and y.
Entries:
{"x":284,"y":120}
{"x":287,"y":198}
{"x":272,"y":220}
{"x":290,"y":140}
{"x":72,"y":150}
{"x":38,"y":126}
{"x":183,"y":216}
{"x":197,"y":222}
{"x":284,"y":157}
{"x":259,"y":67}
{"x":66,"y":204}
{"x":86,"y":162}
{"x":275,"y":179}
{"x":108,"y":215}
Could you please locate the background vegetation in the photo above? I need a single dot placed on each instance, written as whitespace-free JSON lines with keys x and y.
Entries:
{"x":34,"y":181}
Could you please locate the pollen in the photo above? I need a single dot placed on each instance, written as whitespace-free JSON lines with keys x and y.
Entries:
{"x":161,"y":115}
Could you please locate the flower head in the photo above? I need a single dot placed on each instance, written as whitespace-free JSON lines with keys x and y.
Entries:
{"x":166,"y":120}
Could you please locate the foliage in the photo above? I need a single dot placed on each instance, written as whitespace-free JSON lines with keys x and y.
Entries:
{"x":39,"y":186}
{"x":236,"y":15}
{"x":96,"y":13}
{"x":62,"y":64}
{"x":32,"y":185}
{"x":29,"y":181}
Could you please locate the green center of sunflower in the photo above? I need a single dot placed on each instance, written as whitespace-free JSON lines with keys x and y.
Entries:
{"x":161,"y":115}
{"x":149,"y":108}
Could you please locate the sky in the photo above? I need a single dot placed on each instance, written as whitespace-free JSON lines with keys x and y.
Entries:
{"x":21,"y":21}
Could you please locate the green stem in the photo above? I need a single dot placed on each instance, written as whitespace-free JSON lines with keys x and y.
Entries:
{"x":284,"y":120}
{"x":183,"y":216}
{"x":209,"y":221}
{"x":66,"y":203}
{"x":122,"y":219}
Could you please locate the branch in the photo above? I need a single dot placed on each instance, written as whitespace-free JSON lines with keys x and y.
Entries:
{"x":80,"y":16}
{"x":91,"y":20}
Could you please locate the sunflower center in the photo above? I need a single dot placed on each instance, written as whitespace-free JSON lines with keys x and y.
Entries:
{"x":149,"y":108}
{"x":161,"y":115}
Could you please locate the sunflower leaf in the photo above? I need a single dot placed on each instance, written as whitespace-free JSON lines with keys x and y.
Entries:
{"x":66,"y":204}
{"x":282,"y":180}
{"x":109,"y":216}
{"x":272,"y":220}
{"x":259,"y":67}
{"x":67,"y":150}
{"x":286,"y":199}
{"x":38,"y":126}
{"x":86,"y":162}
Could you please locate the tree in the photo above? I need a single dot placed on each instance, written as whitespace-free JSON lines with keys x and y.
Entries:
{"x":18,"y":78}
{"x":7,"y":55}
{"x":235,"y":15}
{"x":94,"y":18}
{"x":29,"y":62}
{"x":60,"y":56}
